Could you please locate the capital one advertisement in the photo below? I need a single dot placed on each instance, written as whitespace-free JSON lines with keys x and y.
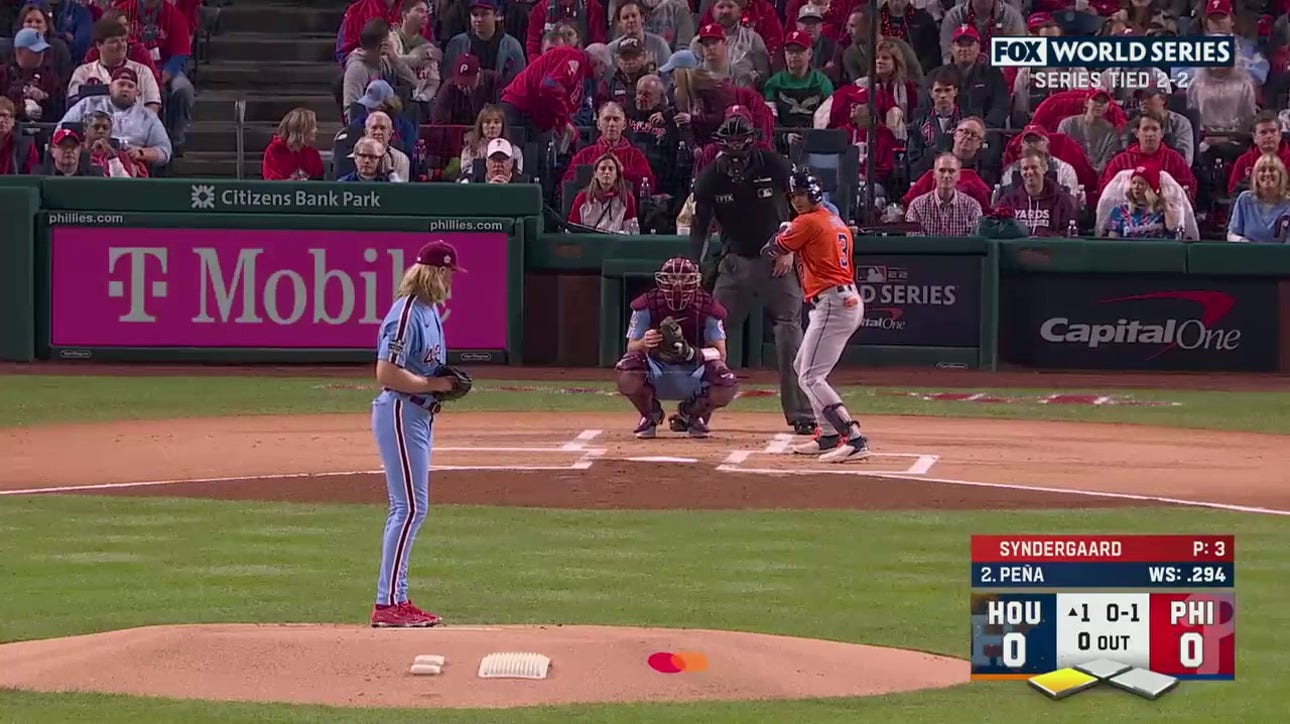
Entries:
{"x":152,"y":287}
{"x":1121,"y":322}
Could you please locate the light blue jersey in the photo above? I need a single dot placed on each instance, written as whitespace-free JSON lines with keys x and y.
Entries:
{"x":403,"y":423}
{"x":412,"y":338}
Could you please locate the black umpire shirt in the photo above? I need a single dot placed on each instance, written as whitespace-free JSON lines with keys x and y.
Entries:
{"x":749,"y":210}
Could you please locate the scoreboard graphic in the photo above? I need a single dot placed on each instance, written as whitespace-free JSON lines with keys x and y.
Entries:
{"x":1067,"y":613}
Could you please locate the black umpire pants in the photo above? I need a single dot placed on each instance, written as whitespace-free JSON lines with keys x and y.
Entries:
{"x":740,"y":280}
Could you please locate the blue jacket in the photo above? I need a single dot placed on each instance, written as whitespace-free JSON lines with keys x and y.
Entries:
{"x":510,"y":56}
{"x":75,"y":20}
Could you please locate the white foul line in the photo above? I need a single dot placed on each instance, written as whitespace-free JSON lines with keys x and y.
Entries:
{"x":1090,"y":494}
{"x":580,"y":442}
{"x":149,"y":483}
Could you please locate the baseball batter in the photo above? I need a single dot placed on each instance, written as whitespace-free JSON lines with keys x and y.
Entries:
{"x":824,"y":244}
{"x":664,"y":363}
{"x":415,"y":381}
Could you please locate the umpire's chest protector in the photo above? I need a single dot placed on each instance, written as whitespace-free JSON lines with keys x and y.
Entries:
{"x":692,"y":318}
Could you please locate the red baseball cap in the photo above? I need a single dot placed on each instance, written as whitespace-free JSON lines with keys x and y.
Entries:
{"x":1034,"y":129}
{"x":1039,"y":20}
{"x":64,"y":134}
{"x":711,"y":31}
{"x":467,"y":66}
{"x":1218,"y":7}
{"x":966,"y":31}
{"x":127,"y":73}
{"x":1150,"y":174}
{"x":439,"y":253}
{"x":797,"y":37}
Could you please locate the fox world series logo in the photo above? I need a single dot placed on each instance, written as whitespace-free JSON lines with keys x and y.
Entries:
{"x":1209,"y":51}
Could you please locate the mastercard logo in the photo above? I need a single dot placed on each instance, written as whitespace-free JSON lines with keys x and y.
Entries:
{"x":666,"y":662}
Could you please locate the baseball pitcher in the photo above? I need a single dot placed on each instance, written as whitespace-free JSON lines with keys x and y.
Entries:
{"x":676,"y":350}
{"x":824,"y":244}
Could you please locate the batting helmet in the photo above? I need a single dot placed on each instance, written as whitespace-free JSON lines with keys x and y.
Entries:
{"x":804,"y":182}
{"x":678,"y":279}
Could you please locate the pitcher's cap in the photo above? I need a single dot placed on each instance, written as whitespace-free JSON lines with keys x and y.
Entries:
{"x":439,"y":253}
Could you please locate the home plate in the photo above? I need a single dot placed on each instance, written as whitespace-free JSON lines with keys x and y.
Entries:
{"x":662,"y":459}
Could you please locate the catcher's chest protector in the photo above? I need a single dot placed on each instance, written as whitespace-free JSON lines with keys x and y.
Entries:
{"x":691,"y":319}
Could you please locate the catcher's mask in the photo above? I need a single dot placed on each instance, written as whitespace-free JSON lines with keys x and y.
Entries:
{"x":678,"y":279}
{"x":736,"y":137}
{"x":804,"y":182}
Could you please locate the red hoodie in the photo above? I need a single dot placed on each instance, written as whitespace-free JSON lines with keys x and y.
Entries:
{"x":761,"y":17}
{"x":357,"y":15}
{"x":1245,"y":164}
{"x":283,"y":164}
{"x":1059,"y":106}
{"x":635,"y":165}
{"x":969,"y":183}
{"x":549,"y":90}
{"x":846,"y":97}
{"x":1165,"y":158}
{"x":884,"y":150}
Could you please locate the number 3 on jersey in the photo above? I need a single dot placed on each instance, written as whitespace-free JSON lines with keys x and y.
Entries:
{"x":845,"y":250}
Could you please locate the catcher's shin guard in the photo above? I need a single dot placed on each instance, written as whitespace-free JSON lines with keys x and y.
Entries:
{"x":634,"y":384}
{"x":720,"y":390}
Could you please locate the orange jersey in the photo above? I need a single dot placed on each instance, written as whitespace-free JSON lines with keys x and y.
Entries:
{"x":823,"y":245}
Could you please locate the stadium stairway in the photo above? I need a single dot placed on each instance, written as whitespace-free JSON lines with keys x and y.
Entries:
{"x":275,"y":54}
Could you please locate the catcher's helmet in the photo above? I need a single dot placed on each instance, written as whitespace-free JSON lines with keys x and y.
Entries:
{"x":804,"y":182}
{"x":678,"y":279}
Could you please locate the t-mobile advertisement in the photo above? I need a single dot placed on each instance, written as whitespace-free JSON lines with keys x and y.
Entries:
{"x":1121,"y":322}
{"x":248,"y":288}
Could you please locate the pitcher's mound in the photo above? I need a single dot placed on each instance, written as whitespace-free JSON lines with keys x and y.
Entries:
{"x":353,"y":666}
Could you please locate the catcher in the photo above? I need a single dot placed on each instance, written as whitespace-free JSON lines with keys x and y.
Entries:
{"x":663,"y":361}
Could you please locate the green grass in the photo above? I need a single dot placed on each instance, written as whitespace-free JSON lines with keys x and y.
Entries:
{"x":80,"y":564}
{"x":34,"y":400}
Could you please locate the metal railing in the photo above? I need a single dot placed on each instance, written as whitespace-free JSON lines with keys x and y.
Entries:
{"x":239,"y":121}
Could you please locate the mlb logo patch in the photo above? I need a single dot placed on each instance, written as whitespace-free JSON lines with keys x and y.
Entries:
{"x":765,"y":193}
{"x":1019,"y":52}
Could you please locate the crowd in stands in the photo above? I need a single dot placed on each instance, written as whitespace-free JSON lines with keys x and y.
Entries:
{"x":612,"y":105}
{"x":103,"y":82}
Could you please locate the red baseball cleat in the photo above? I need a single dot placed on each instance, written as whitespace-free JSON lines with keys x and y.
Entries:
{"x":401,"y":615}
{"x":433,"y":618}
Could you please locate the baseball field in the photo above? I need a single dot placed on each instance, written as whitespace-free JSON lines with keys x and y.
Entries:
{"x":201,"y":544}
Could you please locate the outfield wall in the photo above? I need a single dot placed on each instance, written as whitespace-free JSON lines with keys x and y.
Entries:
{"x":227,"y":271}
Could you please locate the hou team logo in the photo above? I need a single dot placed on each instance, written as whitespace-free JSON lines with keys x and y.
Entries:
{"x":1193,"y":333}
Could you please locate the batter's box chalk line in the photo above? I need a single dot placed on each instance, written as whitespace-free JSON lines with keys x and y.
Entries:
{"x":919,"y":463}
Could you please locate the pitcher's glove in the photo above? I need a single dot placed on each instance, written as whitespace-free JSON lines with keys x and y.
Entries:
{"x":461,"y":383}
{"x":674,"y":349}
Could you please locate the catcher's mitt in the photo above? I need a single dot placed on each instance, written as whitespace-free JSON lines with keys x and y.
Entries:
{"x":461,"y":383}
{"x":673,"y":349}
